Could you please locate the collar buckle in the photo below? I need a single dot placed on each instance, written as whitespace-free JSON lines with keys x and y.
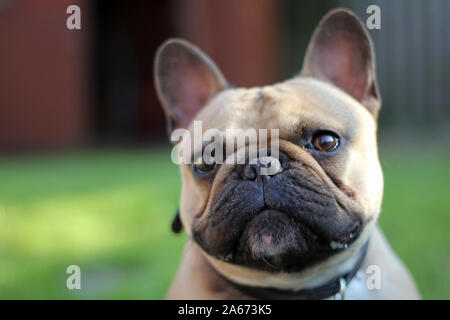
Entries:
{"x":342,"y":287}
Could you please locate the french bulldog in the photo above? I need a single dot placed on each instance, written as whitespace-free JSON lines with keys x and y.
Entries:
{"x":308,"y":230}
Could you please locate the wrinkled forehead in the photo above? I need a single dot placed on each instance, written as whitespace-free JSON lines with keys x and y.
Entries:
{"x":288,"y":106}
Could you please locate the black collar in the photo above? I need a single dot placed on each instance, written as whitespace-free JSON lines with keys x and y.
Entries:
{"x":324,"y":291}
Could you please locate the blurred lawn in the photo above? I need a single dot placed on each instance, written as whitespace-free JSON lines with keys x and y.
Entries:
{"x":109,"y":212}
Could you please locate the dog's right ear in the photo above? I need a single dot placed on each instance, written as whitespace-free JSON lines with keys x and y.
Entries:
{"x":185,"y":79}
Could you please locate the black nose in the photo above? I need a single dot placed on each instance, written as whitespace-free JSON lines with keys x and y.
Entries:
{"x":262,"y":166}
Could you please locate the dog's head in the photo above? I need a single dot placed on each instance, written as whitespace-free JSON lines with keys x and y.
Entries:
{"x":327,"y":189}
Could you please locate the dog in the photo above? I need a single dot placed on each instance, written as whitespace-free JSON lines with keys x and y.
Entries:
{"x":308,"y":230}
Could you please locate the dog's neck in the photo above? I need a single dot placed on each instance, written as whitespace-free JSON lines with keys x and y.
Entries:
{"x":196,"y":279}
{"x":337,"y":265}
{"x":334,"y":288}
{"x":205,"y":281}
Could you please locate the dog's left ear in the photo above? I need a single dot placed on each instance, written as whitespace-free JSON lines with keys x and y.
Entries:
{"x":341,"y":52}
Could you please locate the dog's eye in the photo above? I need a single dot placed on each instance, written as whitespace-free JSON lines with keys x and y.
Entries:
{"x":325,"y":141}
{"x":204,"y":166}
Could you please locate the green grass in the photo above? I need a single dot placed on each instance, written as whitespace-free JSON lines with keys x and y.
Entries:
{"x":109,"y":212}
{"x":416,"y":217}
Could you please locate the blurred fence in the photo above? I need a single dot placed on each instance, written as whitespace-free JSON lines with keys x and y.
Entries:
{"x":413,"y":55}
{"x":60,"y":87}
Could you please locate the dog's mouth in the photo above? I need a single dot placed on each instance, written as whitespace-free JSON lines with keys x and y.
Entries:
{"x":276,"y":241}
{"x":283,"y":224}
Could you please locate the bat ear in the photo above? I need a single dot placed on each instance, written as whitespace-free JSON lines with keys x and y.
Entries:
{"x":341,"y":52}
{"x":185,"y":79}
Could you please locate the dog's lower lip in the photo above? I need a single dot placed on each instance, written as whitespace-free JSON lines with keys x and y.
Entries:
{"x":338,"y":244}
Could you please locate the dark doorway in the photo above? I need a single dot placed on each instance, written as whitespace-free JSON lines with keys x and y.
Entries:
{"x":126,"y":106}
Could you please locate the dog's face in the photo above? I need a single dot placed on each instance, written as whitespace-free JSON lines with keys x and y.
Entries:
{"x":328,"y":189}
